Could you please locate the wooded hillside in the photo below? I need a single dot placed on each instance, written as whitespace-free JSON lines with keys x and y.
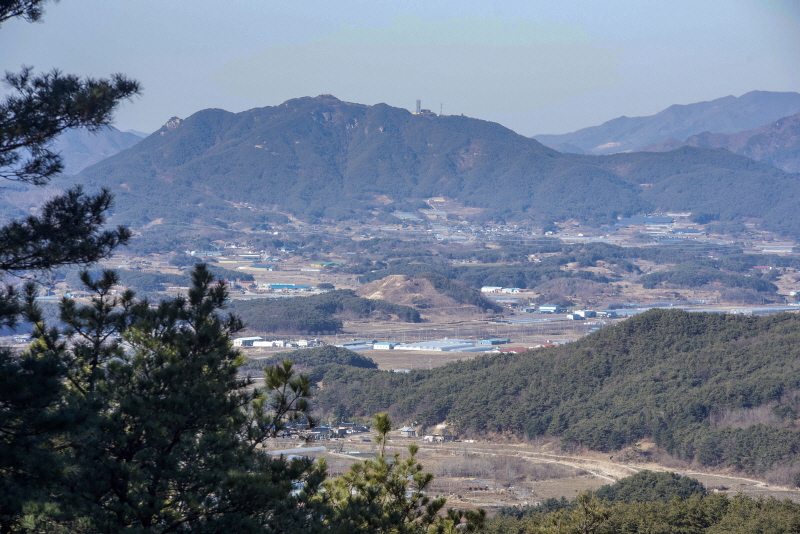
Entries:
{"x":720,"y":389}
{"x":321,"y":158}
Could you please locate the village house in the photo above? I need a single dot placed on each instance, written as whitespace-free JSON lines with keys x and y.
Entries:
{"x":408,"y":432}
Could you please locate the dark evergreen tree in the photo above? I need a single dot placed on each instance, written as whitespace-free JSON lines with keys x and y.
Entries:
{"x":169,"y":437}
{"x":68,"y":230}
{"x":389,"y":495}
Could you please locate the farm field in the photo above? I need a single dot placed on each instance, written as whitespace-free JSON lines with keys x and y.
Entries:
{"x":476,"y":328}
{"x":492,"y":474}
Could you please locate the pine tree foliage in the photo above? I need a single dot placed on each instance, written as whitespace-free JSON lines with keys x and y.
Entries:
{"x":39,"y":107}
{"x":712,"y":513}
{"x":163,"y":436}
{"x":67,"y":231}
{"x":149,"y":429}
{"x":30,"y":10}
{"x":31,"y":413}
{"x":387,"y":495}
{"x":382,"y":425}
{"x":69,"y":228}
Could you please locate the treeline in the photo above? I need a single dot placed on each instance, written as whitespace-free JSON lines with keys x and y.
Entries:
{"x":540,"y":266}
{"x":526,"y":275}
{"x":314,"y":357}
{"x":699,"y":273}
{"x":715,"y":388}
{"x":644,"y":486}
{"x":140,"y":281}
{"x":316,"y":314}
{"x":147,"y":283}
{"x":651,"y":502}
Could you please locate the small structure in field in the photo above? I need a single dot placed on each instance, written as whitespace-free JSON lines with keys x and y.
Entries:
{"x":408,"y":432}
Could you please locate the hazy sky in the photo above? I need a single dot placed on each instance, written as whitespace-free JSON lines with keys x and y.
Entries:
{"x":534,"y":66}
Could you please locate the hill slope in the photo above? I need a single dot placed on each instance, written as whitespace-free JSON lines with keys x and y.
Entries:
{"x":709,"y":181}
{"x":324,"y":158}
{"x":432,"y":293}
{"x":80,"y":149}
{"x":776,"y":144}
{"x":724,"y":115}
{"x":321,"y":157}
{"x":718,"y":389}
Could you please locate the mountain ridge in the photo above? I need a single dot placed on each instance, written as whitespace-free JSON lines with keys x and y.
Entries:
{"x":322,"y":158}
{"x":776,"y":144}
{"x":80,"y":148}
{"x":728,"y":114}
{"x":315,"y":150}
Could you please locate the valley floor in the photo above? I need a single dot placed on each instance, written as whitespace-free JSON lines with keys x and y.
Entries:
{"x":496,"y":473}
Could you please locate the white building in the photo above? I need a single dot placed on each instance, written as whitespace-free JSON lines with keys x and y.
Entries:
{"x":246,"y":341}
{"x":440,"y":345}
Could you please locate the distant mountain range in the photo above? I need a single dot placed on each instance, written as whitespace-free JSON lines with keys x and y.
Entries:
{"x":777,"y":143}
{"x":726,"y":115}
{"x":137,"y":133}
{"x":80,"y":148}
{"x":322,"y":158}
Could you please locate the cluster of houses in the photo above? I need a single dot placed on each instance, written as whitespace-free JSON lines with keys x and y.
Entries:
{"x":576,"y":315}
{"x":542,"y":308}
{"x":438,"y":345}
{"x":301,"y":430}
{"x":444,"y":345}
{"x":344,"y":430}
{"x":284,"y":288}
{"x":318,"y":433}
{"x":258,"y":341}
{"x":408,"y":432}
{"x":500,"y":289}
{"x":587,"y":314}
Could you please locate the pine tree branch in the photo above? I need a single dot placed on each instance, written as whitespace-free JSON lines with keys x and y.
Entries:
{"x":43,"y":106}
{"x":67,"y":232}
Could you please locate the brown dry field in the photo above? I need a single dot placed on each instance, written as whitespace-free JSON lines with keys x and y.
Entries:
{"x":513,"y":474}
{"x":387,"y":360}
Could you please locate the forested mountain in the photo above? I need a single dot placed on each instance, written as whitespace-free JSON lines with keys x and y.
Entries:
{"x":81,"y":148}
{"x":723,"y":115}
{"x":709,"y":181}
{"x":324,"y":158}
{"x":719,"y":389}
{"x":321,"y":157}
{"x":777,"y":143}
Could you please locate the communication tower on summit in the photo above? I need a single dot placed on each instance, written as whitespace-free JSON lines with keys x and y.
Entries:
{"x":423,"y":112}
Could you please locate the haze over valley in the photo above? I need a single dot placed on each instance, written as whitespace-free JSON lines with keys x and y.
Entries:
{"x":538,"y":262}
